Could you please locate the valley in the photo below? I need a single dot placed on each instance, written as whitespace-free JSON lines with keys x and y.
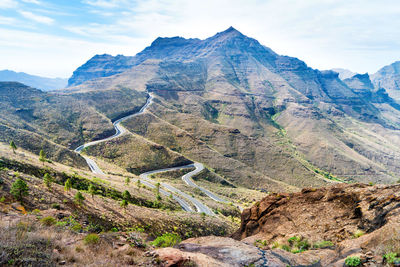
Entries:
{"x":212,"y":152}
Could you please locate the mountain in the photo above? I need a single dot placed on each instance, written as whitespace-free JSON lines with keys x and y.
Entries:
{"x":59,"y":123}
{"x":100,"y":66}
{"x":344,"y":73}
{"x":388,"y":78}
{"x":42,"y":83}
{"x":298,"y":149}
{"x":254,"y":117}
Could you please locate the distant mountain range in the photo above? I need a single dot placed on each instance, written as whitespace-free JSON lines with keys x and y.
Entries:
{"x":42,"y":83}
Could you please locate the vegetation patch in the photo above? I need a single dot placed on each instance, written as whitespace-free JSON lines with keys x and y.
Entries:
{"x":91,"y":239}
{"x":391,"y":258}
{"x":166,"y":240}
{"x":48,"y":221}
{"x":353,"y":261}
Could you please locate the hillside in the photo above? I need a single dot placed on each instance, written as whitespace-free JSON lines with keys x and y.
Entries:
{"x":257,"y":118}
{"x":60,"y":122}
{"x":42,"y":83}
{"x":276,"y":163}
{"x":48,"y":225}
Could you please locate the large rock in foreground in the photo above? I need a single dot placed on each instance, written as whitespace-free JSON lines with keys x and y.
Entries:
{"x":226,"y":252}
{"x":332,"y":222}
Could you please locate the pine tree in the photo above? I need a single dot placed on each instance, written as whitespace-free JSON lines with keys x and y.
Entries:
{"x":19,"y":189}
{"x":42,"y":156}
{"x":79,"y":198}
{"x":47,"y":180}
{"x":68,"y":185}
{"x":124,"y":203}
{"x":158,"y":188}
{"x":126,"y":195}
{"x":139,"y":184}
{"x":92,"y":190}
{"x":127,"y":181}
{"x":13,"y":146}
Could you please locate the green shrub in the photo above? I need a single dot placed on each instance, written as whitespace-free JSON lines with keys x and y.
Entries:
{"x":166,"y":240}
{"x":2,"y":199}
{"x":19,"y":189}
{"x":79,"y":198}
{"x":261,"y":243}
{"x":275,"y":244}
{"x":48,"y":221}
{"x":36,"y":212}
{"x":61,"y":223}
{"x":76,"y":227}
{"x":303,"y":245}
{"x":91,"y":239}
{"x":391,"y":257}
{"x":48,"y":180}
{"x":293,"y":240}
{"x":56,"y":206}
{"x":297,"y":244}
{"x":323,"y":244}
{"x":353,"y":261}
{"x":358,"y":233}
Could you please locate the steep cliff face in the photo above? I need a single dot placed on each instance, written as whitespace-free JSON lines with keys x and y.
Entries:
{"x":360,"y":83}
{"x":389,"y":78}
{"x":100,"y":66}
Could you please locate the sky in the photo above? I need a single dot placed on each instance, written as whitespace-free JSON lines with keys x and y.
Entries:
{"x":52,"y":38}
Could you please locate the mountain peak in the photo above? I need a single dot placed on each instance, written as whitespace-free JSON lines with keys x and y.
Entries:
{"x":230,"y":32}
{"x":231,"y":29}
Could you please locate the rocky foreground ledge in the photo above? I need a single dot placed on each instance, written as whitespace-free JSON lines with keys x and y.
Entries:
{"x":315,"y":227}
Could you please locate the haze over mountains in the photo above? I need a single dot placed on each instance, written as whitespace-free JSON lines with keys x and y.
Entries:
{"x":43,"y":83}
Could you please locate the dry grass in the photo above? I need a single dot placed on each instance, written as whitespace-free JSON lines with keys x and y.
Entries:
{"x":24,"y":242}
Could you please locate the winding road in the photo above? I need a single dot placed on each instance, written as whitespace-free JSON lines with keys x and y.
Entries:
{"x":120,"y":130}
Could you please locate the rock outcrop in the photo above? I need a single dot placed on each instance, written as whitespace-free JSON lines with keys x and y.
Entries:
{"x":349,"y":219}
{"x":388,"y":78}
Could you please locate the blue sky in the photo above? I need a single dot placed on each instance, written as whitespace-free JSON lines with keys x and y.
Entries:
{"x":53,"y":38}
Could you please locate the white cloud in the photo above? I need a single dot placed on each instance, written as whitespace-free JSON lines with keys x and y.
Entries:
{"x":8,"y":3}
{"x":36,"y":2}
{"x":106,"y":3}
{"x":52,"y":56}
{"x":7,"y":20}
{"x":36,"y":17}
{"x":359,"y":35}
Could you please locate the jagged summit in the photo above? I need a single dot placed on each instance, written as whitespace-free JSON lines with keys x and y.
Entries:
{"x":172,"y":41}
{"x":230,"y":31}
{"x":176,"y":49}
{"x":360,"y":83}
